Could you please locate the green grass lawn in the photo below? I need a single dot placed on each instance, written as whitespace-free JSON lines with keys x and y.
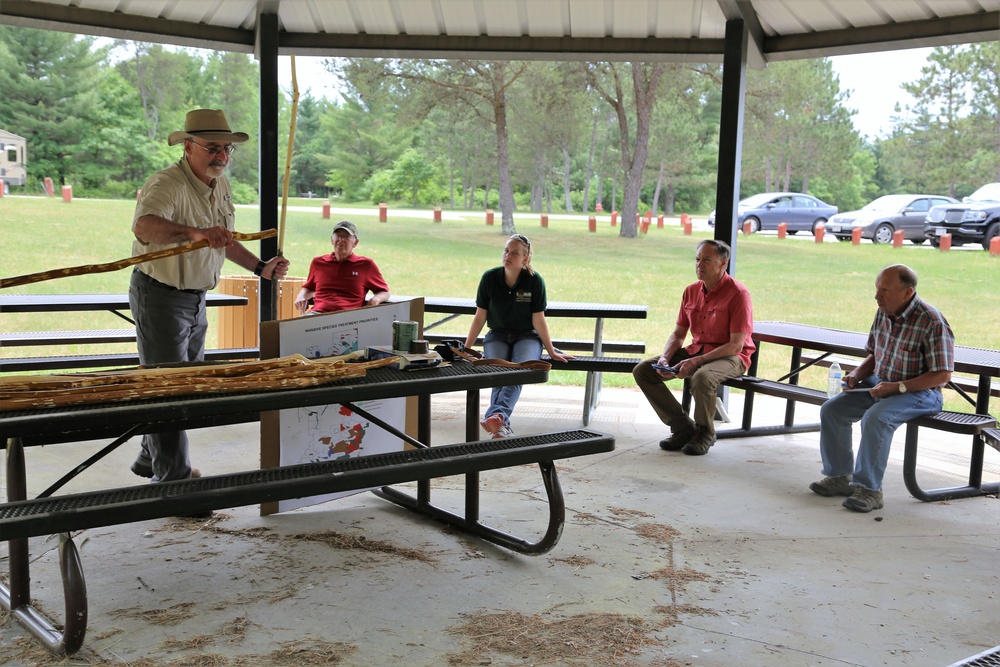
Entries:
{"x":829,"y":284}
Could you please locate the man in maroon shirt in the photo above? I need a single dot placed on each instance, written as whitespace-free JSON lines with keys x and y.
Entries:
{"x":342,"y":280}
{"x":719,"y":314}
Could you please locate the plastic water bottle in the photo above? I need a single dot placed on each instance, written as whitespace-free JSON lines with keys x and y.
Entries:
{"x":834,"y":379}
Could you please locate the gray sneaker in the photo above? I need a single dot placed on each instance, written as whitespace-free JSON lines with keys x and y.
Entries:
{"x":833,"y":486}
{"x":700,"y":443}
{"x":864,"y":500}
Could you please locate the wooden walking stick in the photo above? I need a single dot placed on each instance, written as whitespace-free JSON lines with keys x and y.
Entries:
{"x":288,"y":159}
{"x":123,"y":263}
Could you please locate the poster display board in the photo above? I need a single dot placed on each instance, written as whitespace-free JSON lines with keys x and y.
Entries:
{"x":324,"y":432}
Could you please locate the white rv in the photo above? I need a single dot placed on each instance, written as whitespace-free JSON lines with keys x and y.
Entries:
{"x":13,"y":160}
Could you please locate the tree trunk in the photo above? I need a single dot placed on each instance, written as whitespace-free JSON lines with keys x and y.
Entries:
{"x":451,"y":170}
{"x":503,"y":157}
{"x":590,"y":168}
{"x":668,"y":208}
{"x":659,"y":184}
{"x":645,"y":81}
{"x":566,"y":182}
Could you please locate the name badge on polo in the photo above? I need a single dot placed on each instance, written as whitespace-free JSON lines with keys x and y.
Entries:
{"x":522,"y":297}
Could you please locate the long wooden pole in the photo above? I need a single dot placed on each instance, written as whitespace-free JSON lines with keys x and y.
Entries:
{"x":52,"y":274}
{"x":288,"y":159}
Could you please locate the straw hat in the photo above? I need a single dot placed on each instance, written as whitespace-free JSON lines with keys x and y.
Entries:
{"x":209,"y":125}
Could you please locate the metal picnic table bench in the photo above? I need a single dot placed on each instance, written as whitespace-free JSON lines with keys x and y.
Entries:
{"x":980,"y":425}
{"x":594,"y":364}
{"x":22,"y":518}
{"x":117,"y":304}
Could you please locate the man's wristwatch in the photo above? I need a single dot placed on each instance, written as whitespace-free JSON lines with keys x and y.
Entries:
{"x":902,"y":387}
{"x":259,"y":269}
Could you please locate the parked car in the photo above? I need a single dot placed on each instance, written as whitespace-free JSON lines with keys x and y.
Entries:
{"x":977,"y":218}
{"x":879,"y":219}
{"x":765,"y":211}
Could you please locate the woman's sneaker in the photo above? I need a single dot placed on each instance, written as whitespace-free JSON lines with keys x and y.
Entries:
{"x":504,"y":432}
{"x":492,"y":424}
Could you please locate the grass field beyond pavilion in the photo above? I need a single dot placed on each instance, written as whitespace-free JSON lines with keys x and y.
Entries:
{"x":795,"y":279}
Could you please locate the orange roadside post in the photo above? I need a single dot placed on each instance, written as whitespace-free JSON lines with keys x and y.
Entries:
{"x":686,"y":224}
{"x":995,"y":246}
{"x":856,"y":236}
{"x":49,"y":188}
{"x":437,"y":214}
{"x":545,"y":221}
{"x":614,"y":218}
{"x":820,"y":231}
{"x":489,"y":216}
{"x":592,"y":224}
{"x":383,"y":212}
{"x":326,"y":210}
{"x":67,"y":193}
{"x":659,"y":221}
{"x":138,"y":194}
{"x":782,"y":229}
{"x":644,"y":226}
{"x":897,"y":238}
{"x":746,"y":229}
{"x":944,"y":242}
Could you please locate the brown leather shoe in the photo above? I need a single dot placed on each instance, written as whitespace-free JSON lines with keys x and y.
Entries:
{"x":700,"y":443}
{"x":680,"y":435}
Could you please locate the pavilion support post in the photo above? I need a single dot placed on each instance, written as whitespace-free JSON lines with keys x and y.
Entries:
{"x":734,"y":83}
{"x":267,"y":54}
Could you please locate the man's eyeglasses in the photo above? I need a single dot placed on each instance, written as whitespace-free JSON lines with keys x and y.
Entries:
{"x":522,"y":238}
{"x":215,"y":150}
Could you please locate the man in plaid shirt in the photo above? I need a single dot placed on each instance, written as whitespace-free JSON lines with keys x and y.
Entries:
{"x":911,"y":355}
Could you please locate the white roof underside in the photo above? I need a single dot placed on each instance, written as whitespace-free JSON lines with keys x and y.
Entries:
{"x":692,"y":30}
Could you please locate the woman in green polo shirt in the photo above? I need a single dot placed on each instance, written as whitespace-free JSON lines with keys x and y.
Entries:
{"x":511,"y":301}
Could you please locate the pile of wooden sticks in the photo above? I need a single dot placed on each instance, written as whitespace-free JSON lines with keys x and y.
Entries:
{"x":291,"y":372}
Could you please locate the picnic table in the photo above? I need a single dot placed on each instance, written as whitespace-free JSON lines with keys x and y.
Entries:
{"x":21,"y":518}
{"x":594,"y":364}
{"x":985,"y":364}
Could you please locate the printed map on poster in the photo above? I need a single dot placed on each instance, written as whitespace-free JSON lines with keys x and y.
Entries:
{"x":328,"y":432}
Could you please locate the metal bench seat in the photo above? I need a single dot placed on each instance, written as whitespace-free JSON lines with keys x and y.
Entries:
{"x":22,"y":519}
{"x":953,"y":422}
{"x":89,"y":336}
{"x":71,"y":512}
{"x":110,"y":360}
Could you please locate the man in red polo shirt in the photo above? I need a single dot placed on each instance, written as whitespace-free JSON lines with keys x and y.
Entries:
{"x":342,"y":279}
{"x":719,"y":314}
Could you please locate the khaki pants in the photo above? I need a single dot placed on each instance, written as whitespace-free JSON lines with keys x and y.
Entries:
{"x":704,"y":382}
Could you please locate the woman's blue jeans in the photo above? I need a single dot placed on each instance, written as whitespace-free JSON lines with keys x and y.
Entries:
{"x":879,"y":420}
{"x":512,"y":346}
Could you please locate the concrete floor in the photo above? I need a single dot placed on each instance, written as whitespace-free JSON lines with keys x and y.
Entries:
{"x":666,"y":560}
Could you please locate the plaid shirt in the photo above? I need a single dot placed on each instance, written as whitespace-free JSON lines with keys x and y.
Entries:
{"x":918,"y":341}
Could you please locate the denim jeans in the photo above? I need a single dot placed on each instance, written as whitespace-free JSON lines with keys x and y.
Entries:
{"x":879,"y":420}
{"x":512,"y":346}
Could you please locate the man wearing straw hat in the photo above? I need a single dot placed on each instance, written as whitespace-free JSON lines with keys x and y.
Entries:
{"x":189,"y":201}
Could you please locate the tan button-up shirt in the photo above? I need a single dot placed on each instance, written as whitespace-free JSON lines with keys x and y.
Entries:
{"x":175,"y":193}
